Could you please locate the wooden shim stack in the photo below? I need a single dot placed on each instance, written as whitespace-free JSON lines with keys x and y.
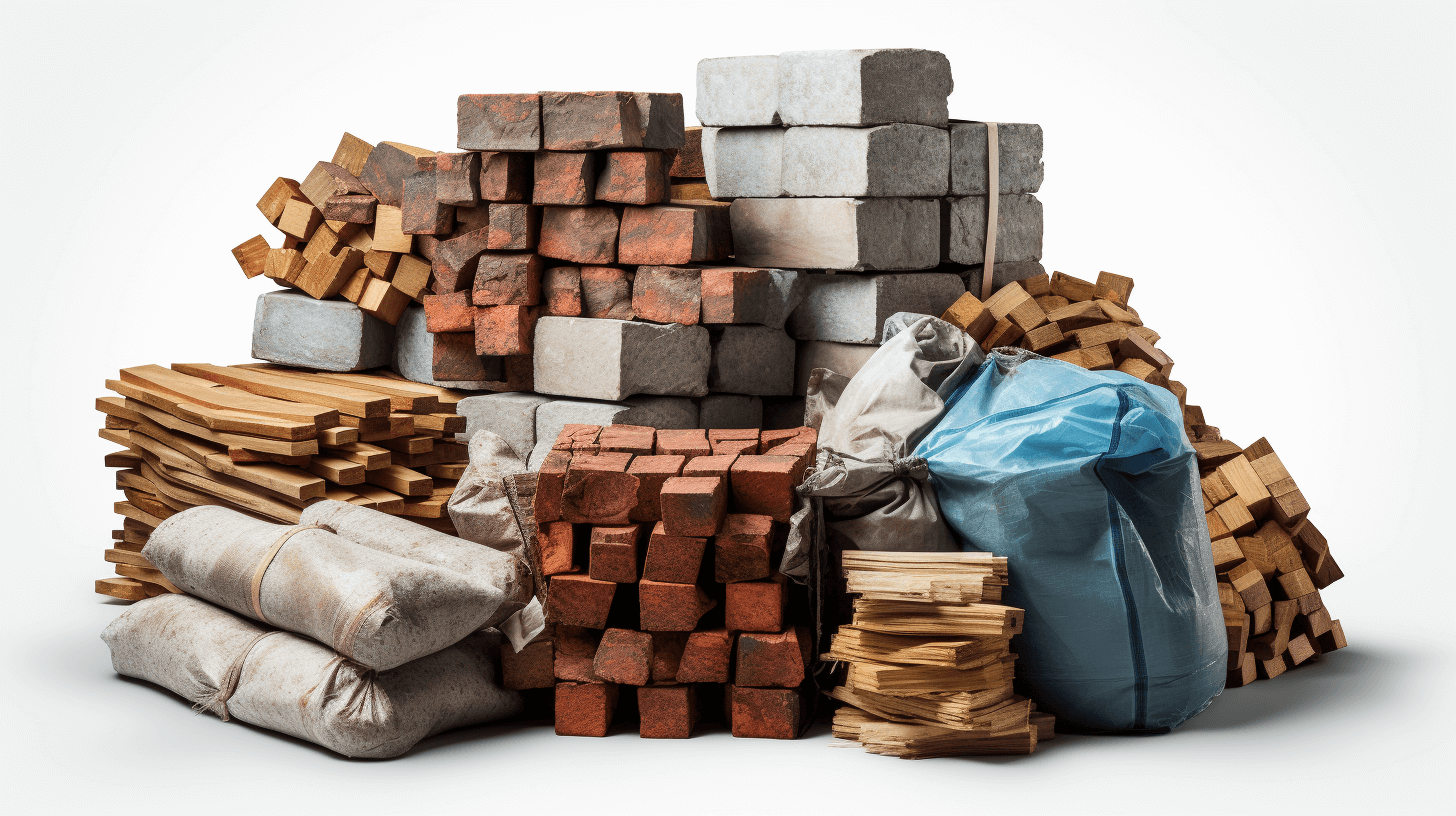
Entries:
{"x":929,"y":658}
{"x":268,"y":441}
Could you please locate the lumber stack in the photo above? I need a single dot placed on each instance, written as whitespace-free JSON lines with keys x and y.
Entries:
{"x":660,"y":550}
{"x":268,"y":441}
{"x":928,"y":656}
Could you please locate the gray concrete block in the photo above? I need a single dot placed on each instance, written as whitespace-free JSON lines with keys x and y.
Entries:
{"x":292,"y":328}
{"x":788,"y":293}
{"x":880,"y":234}
{"x":853,"y":308}
{"x":751,"y":359}
{"x":890,"y":160}
{"x":1018,"y":229}
{"x":864,"y":87}
{"x":730,"y":411}
{"x":1019,"y":167}
{"x":615,"y":359}
{"x":737,"y":91}
{"x":511,"y":416}
{"x":841,"y":358}
{"x":744,"y":162}
{"x":1003,"y":274}
{"x":674,"y":413}
{"x":414,"y":355}
{"x":779,"y":414}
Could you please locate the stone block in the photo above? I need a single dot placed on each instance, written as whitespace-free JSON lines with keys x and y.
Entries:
{"x":564,"y":178}
{"x":864,"y":87}
{"x":751,"y":359}
{"x":654,"y":412}
{"x":737,"y":91}
{"x":333,"y":335}
{"x":590,"y":120}
{"x":740,"y":294}
{"x":606,"y":292}
{"x":446,"y":359}
{"x":507,"y":279}
{"x":511,"y":416}
{"x":853,"y":308}
{"x":879,"y":234}
{"x":498,"y":122}
{"x":890,"y":160}
{"x":682,"y":233}
{"x":506,"y":177}
{"x":842,"y":358}
{"x":633,"y":177}
{"x":662,"y":120}
{"x":730,"y":411}
{"x":1018,"y":229}
{"x":561,"y":291}
{"x":744,"y":162}
{"x":584,"y":235}
{"x":667,"y":294}
{"x":1019,"y":167}
{"x":625,"y":358}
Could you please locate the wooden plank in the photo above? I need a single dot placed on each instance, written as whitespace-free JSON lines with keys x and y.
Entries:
{"x":338,"y":471}
{"x":204,"y":392}
{"x":135,"y":411}
{"x":341,"y":435}
{"x":402,"y":398}
{"x":216,"y":419}
{"x":150,"y":576}
{"x":401,"y":480}
{"x":126,"y":589}
{"x":372,"y":457}
{"x":445,"y":423}
{"x":351,"y":401}
{"x":385,"y":501}
{"x":131,"y":511}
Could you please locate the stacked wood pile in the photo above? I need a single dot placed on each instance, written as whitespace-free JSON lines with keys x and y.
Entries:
{"x":929,"y":658}
{"x":268,"y":441}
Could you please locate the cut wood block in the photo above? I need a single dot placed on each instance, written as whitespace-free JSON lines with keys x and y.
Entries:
{"x":389,"y":234}
{"x":116,"y":556}
{"x":1097,"y":358}
{"x":1250,"y":585}
{"x":1135,"y":347}
{"x":340,"y":435}
{"x":1103,"y":335}
{"x":1240,"y":475}
{"x":1274,"y":642}
{"x":447,"y":423}
{"x":252,"y":255}
{"x":370,"y":456}
{"x":300,"y":219}
{"x":447,"y":470}
{"x":1003,"y":333}
{"x":337,"y":470}
{"x":1043,"y":337}
{"x":352,"y":154}
{"x":1118,"y":314}
{"x":1050,"y":303}
{"x":1235,"y":516}
{"x":279,"y":193}
{"x":1259,"y":449}
{"x":1333,"y":639}
{"x":1117,"y":284}
{"x":411,"y":276}
{"x":1296,"y":584}
{"x":383,"y":301}
{"x":1246,"y":673}
{"x":970,"y":316}
{"x":1300,"y":649}
{"x":327,"y":275}
{"x":1212,"y":454}
{"x":1216,"y":488}
{"x":1013,"y":303}
{"x":147,"y":575}
{"x":1226,"y":554}
{"x":1072,"y":288}
{"x":327,"y":180}
{"x":284,"y":265}
{"x":401,"y":480}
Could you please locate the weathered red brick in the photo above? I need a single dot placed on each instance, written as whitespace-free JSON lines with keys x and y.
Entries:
{"x":768,"y":440}
{"x":470,"y":219}
{"x":503,"y":330}
{"x":561,"y":291}
{"x":671,"y":607}
{"x":743,"y":548}
{"x":506,"y":177}
{"x":450,"y":312}
{"x":716,"y":434}
{"x":606,"y":292}
{"x":689,"y":444}
{"x":507,"y":279}
{"x":498,"y":122}
{"x":681,"y":233}
{"x":756,"y":606}
{"x":563,"y":178}
{"x":688,"y":163}
{"x":598,"y":489}
{"x":673,"y":559}
{"x":667,"y":649}
{"x":585,"y":709}
{"x":454,"y":261}
{"x":454,"y":359}
{"x":351,"y":209}
{"x":556,"y":542}
{"x":613,"y":553}
{"x":765,"y":484}
{"x":633,"y":177}
{"x":385,"y":170}
{"x":693,"y":506}
{"x":590,"y":121}
{"x":625,"y":657}
{"x":705,"y":657}
{"x":715,"y":465}
{"x":637,"y":440}
{"x":651,"y":472}
{"x":667,"y":712}
{"x":578,"y":600}
{"x":550,"y":481}
{"x":457,"y":178}
{"x":575,"y":648}
{"x":736,"y":294}
{"x":777,"y":660}
{"x":530,"y":668}
{"x":514,"y":226}
{"x":584,"y":235}
{"x":734,"y":447}
{"x":577,"y":437}
{"x":667,"y":294}
{"x":767,"y":713}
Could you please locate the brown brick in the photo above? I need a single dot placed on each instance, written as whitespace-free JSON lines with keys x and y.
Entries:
{"x":420,"y":212}
{"x":450,"y":312}
{"x":514,"y":226}
{"x":613,"y":553}
{"x":688,"y":163}
{"x":690,"y":443}
{"x":457,"y":178}
{"x":577,"y":437}
{"x":777,"y":660}
{"x":455,"y":260}
{"x":624,"y":656}
{"x":667,"y":712}
{"x":705,"y":657}
{"x":574,"y":649}
{"x":503,"y":330}
{"x":506,"y":177}
{"x":770,"y":439}
{"x":671,"y":607}
{"x":684,"y":232}
{"x":766,"y":713}
{"x":563,"y":179}
{"x":556,"y":542}
{"x":693,"y":506}
{"x":667,"y":294}
{"x":667,"y":650}
{"x":634,"y":439}
{"x":585,"y":709}
{"x":455,"y":360}
{"x":734,"y":447}
{"x":735,"y":294}
{"x":498,"y":122}
{"x":765,"y":484}
{"x":351,"y":209}
{"x":530,"y":668}
{"x":633,"y":177}
{"x":389,"y":164}
{"x":652,"y":473}
{"x":550,"y":480}
{"x":606,"y":292}
{"x":598,"y":489}
{"x":584,"y":235}
{"x":578,"y":600}
{"x":673,"y":559}
{"x":561,"y":291}
{"x":590,"y":121}
{"x":743,"y":548}
{"x":756,"y":606}
{"x":507,"y":279}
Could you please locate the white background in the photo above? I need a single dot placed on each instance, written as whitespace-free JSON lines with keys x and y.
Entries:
{"x":1277,"y":178}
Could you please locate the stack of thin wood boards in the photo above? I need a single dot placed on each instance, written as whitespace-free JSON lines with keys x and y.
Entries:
{"x":268,"y":441}
{"x":929,"y":658}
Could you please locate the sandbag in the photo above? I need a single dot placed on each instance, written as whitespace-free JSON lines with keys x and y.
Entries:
{"x":1086,"y":482}
{"x":277,"y":680}
{"x":398,"y":592}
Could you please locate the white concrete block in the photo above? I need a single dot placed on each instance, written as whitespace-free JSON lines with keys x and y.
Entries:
{"x":890,"y":160}
{"x":737,"y":91}
{"x":864,"y":87}
{"x":615,"y":359}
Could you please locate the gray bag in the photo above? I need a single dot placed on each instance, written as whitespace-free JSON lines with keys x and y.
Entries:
{"x":287,"y":683}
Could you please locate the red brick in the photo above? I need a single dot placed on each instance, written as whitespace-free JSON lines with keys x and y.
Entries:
{"x":514,"y":226}
{"x":450,"y":312}
{"x":667,"y":712}
{"x":563,"y":178}
{"x":454,"y":261}
{"x":577,"y":437}
{"x":606,"y":292}
{"x":717,"y":434}
{"x":454,"y":359}
{"x":714,"y":465}
{"x":530,"y":668}
{"x":577,"y":600}
{"x":693,"y":506}
{"x":734,"y":447}
{"x":550,"y":480}
{"x":590,"y":121}
{"x":506,"y":177}
{"x":457,"y":178}
{"x":705,"y":657}
{"x":772,"y":660}
{"x":385,"y":170}
{"x":555,"y":540}
{"x":503,"y":330}
{"x":351,"y":209}
{"x":688,"y":163}
{"x":575,"y":648}
{"x":624,"y":657}
{"x":585,"y":709}
{"x":684,"y":232}
{"x":673,"y":559}
{"x":584,"y":235}
{"x":667,"y":650}
{"x":768,"y":440}
{"x":766,"y":713}
{"x":420,"y":212}
{"x":637,"y":440}
{"x":743,"y":548}
{"x":498,"y":122}
{"x":598,"y":490}
{"x":667,"y":294}
{"x":765,"y":484}
{"x":633,"y":177}
{"x":613,"y":555}
{"x":652,"y":472}
{"x":507,"y":279}
{"x":756,"y":606}
{"x":470,"y":219}
{"x":561,"y":291}
{"x":735,"y":294}
{"x":687,"y":443}
{"x":671,"y":607}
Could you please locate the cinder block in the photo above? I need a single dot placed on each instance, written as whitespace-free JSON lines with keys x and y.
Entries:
{"x":1018,"y":230}
{"x":418,"y":352}
{"x":890,"y":160}
{"x":842,"y":358}
{"x":553,"y":415}
{"x":498,"y":122}
{"x":667,"y":294}
{"x":882,"y":234}
{"x":626,"y":358}
{"x":864,"y":87}
{"x":737,"y":91}
{"x":753,"y":360}
{"x":744,"y":162}
{"x":853,"y":308}
{"x":1019,"y":167}
{"x":730,"y":411}
{"x":333,"y":335}
{"x":511,"y":416}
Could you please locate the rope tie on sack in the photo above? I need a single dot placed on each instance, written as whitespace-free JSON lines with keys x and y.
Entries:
{"x":217,"y":703}
{"x":267,"y":561}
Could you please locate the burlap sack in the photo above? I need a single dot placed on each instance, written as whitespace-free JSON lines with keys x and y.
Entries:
{"x":287,"y":683}
{"x":384,"y":593}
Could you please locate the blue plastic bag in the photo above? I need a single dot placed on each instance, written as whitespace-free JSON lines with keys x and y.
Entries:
{"x":1086,"y":482}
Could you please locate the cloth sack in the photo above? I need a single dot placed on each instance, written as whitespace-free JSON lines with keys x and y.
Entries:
{"x":280,"y":681}
{"x":1086,"y":482}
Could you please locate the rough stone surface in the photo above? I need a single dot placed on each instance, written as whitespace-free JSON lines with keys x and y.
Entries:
{"x":730,"y":411}
{"x":511,"y":416}
{"x":1018,"y":229}
{"x":1003,"y":274}
{"x":606,"y":292}
{"x":585,"y":235}
{"x":886,"y":234}
{"x":590,"y":120}
{"x":498,"y":122}
{"x":853,"y":308}
{"x":507,"y":279}
{"x":615,"y":359}
{"x":416,"y":353}
{"x":662,"y":120}
{"x":688,"y":163}
{"x":744,"y":162}
{"x":684,"y":232}
{"x":333,"y":335}
{"x":1019,"y":167}
{"x":864,"y":87}
{"x":737,"y":91}
{"x":564,"y":178}
{"x":841,"y":358}
{"x":754,"y":360}
{"x":633,"y":177}
{"x":553,"y":415}
{"x":667,"y":294}
{"x":512,"y":226}
{"x":506,"y":177}
{"x":561,"y":291}
{"x":388,"y":165}
{"x":890,"y":160}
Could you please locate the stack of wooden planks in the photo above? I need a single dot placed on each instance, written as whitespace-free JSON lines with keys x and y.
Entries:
{"x":268,"y":441}
{"x":929,"y":658}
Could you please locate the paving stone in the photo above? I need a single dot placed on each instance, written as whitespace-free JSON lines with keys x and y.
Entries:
{"x":752,"y":359}
{"x":882,"y":234}
{"x":744,"y":162}
{"x":553,"y":415}
{"x":730,"y":411}
{"x":864,"y":87}
{"x":333,"y":335}
{"x":418,"y":354}
{"x":1019,"y":167}
{"x":841,"y":358}
{"x":853,"y":308}
{"x":737,"y":91}
{"x":1018,"y":230}
{"x":890,"y":160}
{"x":498,"y":122}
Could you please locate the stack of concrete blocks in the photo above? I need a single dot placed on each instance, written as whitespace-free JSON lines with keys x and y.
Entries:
{"x":846,"y":165}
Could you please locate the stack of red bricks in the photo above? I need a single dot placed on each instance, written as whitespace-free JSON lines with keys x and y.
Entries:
{"x":660,"y":549}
